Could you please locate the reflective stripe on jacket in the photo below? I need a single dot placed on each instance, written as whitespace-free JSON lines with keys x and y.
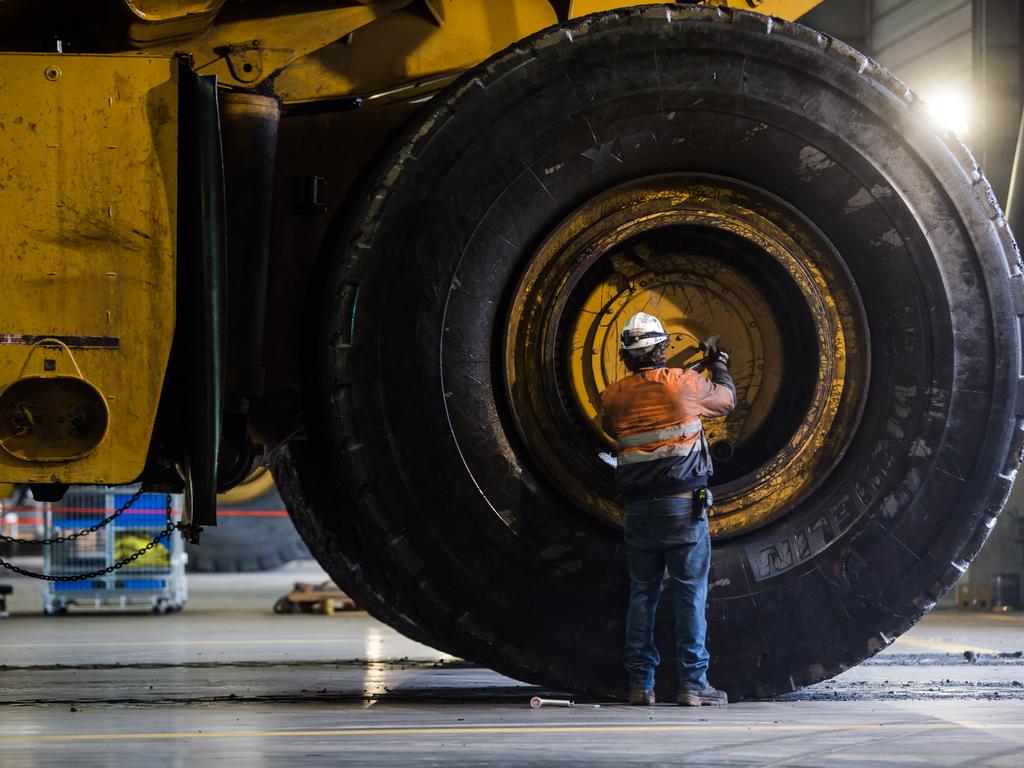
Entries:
{"x":655,"y":416}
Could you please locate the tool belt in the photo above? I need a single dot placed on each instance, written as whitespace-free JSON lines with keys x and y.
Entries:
{"x":702,"y":499}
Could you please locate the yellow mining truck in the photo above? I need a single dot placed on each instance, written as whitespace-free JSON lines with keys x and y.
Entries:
{"x":387,"y":248}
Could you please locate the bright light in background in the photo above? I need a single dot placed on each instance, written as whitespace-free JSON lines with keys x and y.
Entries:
{"x":950,"y":110}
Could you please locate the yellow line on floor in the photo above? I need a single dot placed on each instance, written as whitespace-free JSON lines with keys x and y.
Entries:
{"x":490,"y":730}
{"x":184,"y":642}
{"x":938,"y":645}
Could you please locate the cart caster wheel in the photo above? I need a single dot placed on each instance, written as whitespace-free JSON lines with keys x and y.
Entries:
{"x":283,"y":605}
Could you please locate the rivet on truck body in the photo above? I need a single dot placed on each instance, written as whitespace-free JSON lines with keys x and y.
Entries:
{"x":52,"y":73}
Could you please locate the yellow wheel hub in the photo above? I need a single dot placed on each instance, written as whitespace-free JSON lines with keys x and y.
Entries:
{"x":707,"y":256}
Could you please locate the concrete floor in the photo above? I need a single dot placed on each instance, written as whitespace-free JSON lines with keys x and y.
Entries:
{"x":230,"y":682}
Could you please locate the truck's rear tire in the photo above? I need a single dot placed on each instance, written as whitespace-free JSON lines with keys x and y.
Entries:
{"x":253,"y":531}
{"x":804,"y":186}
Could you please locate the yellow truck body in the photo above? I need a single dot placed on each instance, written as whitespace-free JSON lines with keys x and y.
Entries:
{"x":88,"y":199}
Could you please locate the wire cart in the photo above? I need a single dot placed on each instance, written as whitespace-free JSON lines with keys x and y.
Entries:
{"x":155,"y":580}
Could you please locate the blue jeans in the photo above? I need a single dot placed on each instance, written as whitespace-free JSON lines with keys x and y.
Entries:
{"x":660,"y":533}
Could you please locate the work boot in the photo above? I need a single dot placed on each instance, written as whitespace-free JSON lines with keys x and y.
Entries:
{"x":692,"y":697}
{"x":641,"y":697}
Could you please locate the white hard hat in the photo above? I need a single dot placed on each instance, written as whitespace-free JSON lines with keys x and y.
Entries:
{"x":641,"y":332}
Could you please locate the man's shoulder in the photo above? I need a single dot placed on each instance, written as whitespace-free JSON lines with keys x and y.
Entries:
{"x":615,"y":388}
{"x":682,"y":376}
{"x":610,"y":390}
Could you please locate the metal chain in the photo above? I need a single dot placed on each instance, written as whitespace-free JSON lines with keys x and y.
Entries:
{"x":167,"y":531}
{"x":71,"y":537}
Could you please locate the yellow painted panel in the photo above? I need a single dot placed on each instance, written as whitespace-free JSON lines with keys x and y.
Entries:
{"x":88,"y":197}
{"x":784,"y":9}
{"x":407,"y":47}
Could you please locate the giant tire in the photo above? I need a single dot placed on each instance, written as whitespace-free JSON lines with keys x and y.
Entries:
{"x":433,"y":499}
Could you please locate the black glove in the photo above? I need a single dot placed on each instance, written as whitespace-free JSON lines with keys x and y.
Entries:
{"x":713,"y":353}
{"x":717,"y":355}
{"x":716,"y":361}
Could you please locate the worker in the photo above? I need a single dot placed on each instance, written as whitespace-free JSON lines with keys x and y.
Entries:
{"x":663,"y":467}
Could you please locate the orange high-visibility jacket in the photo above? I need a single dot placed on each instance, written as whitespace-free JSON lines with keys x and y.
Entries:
{"x":655,"y":415}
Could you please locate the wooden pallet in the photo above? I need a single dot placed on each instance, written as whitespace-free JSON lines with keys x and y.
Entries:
{"x":307,"y":597}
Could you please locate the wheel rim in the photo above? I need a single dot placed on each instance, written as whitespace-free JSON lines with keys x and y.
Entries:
{"x":708,"y":255}
{"x":259,"y":482}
